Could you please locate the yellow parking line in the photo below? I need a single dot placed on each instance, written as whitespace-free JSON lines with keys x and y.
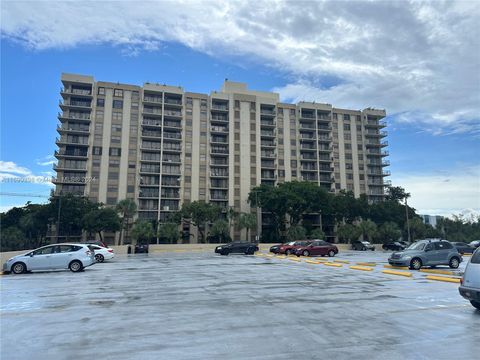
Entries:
{"x":444,"y":278}
{"x":280,"y":256}
{"x":362,"y":268}
{"x":342,"y":261}
{"x":395,"y":267}
{"x":312,"y":262}
{"x":432,"y":271}
{"x":294,"y":259}
{"x":322,"y":259}
{"x":333,"y":264}
{"x":367,"y":264}
{"x":400,"y":273}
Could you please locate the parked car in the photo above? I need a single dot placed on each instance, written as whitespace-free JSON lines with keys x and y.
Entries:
{"x":470,"y":283}
{"x":463,"y":248}
{"x":317,"y":247}
{"x":246,"y":248}
{"x":291,"y":247}
{"x":141,"y":249}
{"x":75,"y":257}
{"x":362,"y":245}
{"x":393,"y":246}
{"x":102,"y":253}
{"x":430,"y":252}
{"x":275,"y":248}
{"x":475,"y":243}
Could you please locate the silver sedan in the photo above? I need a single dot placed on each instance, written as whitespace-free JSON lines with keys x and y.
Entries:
{"x":75,"y":257}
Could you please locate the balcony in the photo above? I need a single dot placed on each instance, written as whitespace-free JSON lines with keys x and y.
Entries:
{"x":323,"y":128}
{"x":166,"y":194}
{"x":219,"y":173}
{"x":371,"y":152}
{"x":268,"y":164}
{"x":173,"y":101}
{"x":375,"y":124}
{"x":379,"y":134}
{"x":152,"y":99}
{"x":219,"y":106}
{"x":305,"y":126}
{"x":71,"y":141}
{"x":218,"y":184}
{"x":74,"y":115}
{"x":309,"y":177}
{"x":172,"y":135}
{"x":264,"y":143}
{"x":64,"y":105}
{"x":378,"y":173}
{"x":167,"y":147}
{"x":326,"y":169}
{"x":172,"y":113}
{"x":61,"y":166}
{"x":84,"y":92}
{"x":307,"y":136}
{"x":267,"y":123}
{"x":172,"y":124}
{"x":307,"y":115}
{"x":267,"y":134}
{"x":324,"y":139}
{"x":151,"y":134}
{"x":219,"y":150}
{"x":219,"y":129}
{"x":323,"y":117}
{"x":70,"y":154}
{"x":219,"y":139}
{"x":152,"y":110}
{"x":376,"y":143}
{"x":267,"y":111}
{"x":268,"y":154}
{"x":219,"y":161}
{"x":308,"y":168}
{"x":148,"y":193}
{"x":308,"y":146}
{"x":376,"y":193}
{"x":151,"y":122}
{"x":73,"y":129}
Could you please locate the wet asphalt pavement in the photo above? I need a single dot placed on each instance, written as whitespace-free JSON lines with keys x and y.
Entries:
{"x":197,"y":305}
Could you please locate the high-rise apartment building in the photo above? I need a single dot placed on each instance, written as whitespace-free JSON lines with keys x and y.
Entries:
{"x":163,"y":146}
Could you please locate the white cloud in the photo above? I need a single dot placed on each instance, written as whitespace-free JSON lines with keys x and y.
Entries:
{"x":444,"y":194}
{"x":10,"y":172}
{"x":415,"y":57}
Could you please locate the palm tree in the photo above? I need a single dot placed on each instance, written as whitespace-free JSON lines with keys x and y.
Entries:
{"x":247,"y":221}
{"x":368,"y":229}
{"x":142,"y":231}
{"x":127,"y":209}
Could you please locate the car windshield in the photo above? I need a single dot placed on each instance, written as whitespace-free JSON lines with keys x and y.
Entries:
{"x":416,"y":246}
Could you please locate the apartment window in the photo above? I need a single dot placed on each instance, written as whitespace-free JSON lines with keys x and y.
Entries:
{"x":116,"y":139}
{"x":101,"y":91}
{"x":359,"y":118}
{"x":111,"y":200}
{"x":99,"y":127}
{"x":112,"y":175}
{"x":237,"y":104}
{"x":97,"y":150}
{"x":292,"y":112}
{"x":293,"y":153}
{"x":203,"y":157}
{"x":281,"y":173}
{"x":189,"y":101}
{"x":116,"y":127}
{"x":350,"y":176}
{"x":203,"y":102}
{"x":293,"y":164}
{"x":101,"y":102}
{"x":360,"y":147}
{"x":117,"y":116}
{"x":362,"y":177}
{"x":349,"y":166}
{"x":347,"y":136}
{"x":348,"y":146}
{"x":359,"y":128}
{"x":348,"y":156}
{"x":360,"y":167}
{"x":115,"y":151}
{"x":130,"y":188}
{"x":99,"y":114}
{"x":118,"y":104}
{"x":346,"y":127}
{"x":346,"y":117}
{"x":335,"y":116}
{"x":189,"y":112}
{"x":132,"y":166}
{"x":118,"y":92}
{"x":98,"y":137}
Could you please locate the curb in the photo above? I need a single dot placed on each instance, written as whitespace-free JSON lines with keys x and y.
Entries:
{"x":362,"y":268}
{"x":367,"y":264}
{"x":333,"y":264}
{"x":400,"y":273}
{"x":444,"y":278}
{"x":431,"y":271}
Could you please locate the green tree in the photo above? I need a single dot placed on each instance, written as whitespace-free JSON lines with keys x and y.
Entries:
{"x":247,"y":221}
{"x":103,"y":219}
{"x":220,"y":230}
{"x":368,"y":229}
{"x":127,"y":208}
{"x":388,"y":231}
{"x":317,"y":234}
{"x":199,"y":213}
{"x":169,"y":232}
{"x":417,"y":229}
{"x":348,"y":232}
{"x":11,"y":238}
{"x":142,"y":231}
{"x":296,"y":232}
{"x":396,"y":193}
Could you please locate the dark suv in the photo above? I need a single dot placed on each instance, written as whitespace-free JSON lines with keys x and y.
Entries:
{"x":362,"y":245}
{"x":237,"y":248}
{"x":430,"y":252}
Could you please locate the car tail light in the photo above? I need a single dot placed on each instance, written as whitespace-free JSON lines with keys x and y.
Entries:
{"x":110,"y":250}
{"x":461,"y":280}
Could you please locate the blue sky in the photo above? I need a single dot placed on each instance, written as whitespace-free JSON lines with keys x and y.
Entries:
{"x":434,"y":129}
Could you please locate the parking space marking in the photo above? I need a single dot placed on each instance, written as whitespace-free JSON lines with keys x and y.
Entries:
{"x":400,"y":273}
{"x":342,"y":261}
{"x":333,"y":264}
{"x":313,"y":262}
{"x":443,"y":278}
{"x":362,"y":268}
{"x":367,"y":264}
{"x":294,"y":259}
{"x":433,"y":271}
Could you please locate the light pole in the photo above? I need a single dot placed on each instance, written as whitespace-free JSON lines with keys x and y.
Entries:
{"x":58,"y":217}
{"x":406,"y":214}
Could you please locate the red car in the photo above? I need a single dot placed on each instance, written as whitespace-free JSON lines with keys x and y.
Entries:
{"x":289,"y":248}
{"x":317,"y":247}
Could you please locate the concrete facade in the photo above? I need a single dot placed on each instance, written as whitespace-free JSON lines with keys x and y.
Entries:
{"x":163,"y":147}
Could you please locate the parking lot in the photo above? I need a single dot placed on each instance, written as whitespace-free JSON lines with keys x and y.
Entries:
{"x":198,"y":305}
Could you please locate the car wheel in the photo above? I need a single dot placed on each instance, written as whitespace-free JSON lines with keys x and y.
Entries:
{"x":250,"y":251}
{"x":331,"y":253}
{"x":99,"y":258}
{"x":364,"y":249}
{"x":75,"y":266}
{"x":415,"y":264}
{"x":454,"y":263}
{"x":19,"y":268}
{"x":306,"y":253}
{"x":475,"y":304}
{"x":288,"y":252}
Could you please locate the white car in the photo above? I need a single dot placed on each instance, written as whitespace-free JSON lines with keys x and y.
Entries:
{"x":102,"y":253}
{"x":75,"y":257}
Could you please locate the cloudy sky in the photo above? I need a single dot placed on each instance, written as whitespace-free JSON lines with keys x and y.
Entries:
{"x":418,"y":60}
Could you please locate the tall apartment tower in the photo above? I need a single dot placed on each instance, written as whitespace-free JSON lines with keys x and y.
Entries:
{"x":162,"y":146}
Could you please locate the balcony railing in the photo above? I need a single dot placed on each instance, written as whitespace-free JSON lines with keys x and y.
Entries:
{"x":76,"y":91}
{"x":267,"y":123}
{"x":219,"y":129}
{"x":171,"y":101}
{"x":173,"y":113}
{"x":222,"y":107}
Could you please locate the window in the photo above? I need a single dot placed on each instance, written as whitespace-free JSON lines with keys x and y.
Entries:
{"x":97,"y":150}
{"x":118,"y":104}
{"x":346,"y":117}
{"x":116,"y":139}
{"x":100,"y":102}
{"x":44,"y":251}
{"x":101,"y":91}
{"x":99,"y":127}
{"x":115,"y":151}
{"x":442,"y":245}
{"x":346,"y":127}
{"x":118,"y":92}
{"x":117,"y":116}
{"x":116,"y":127}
